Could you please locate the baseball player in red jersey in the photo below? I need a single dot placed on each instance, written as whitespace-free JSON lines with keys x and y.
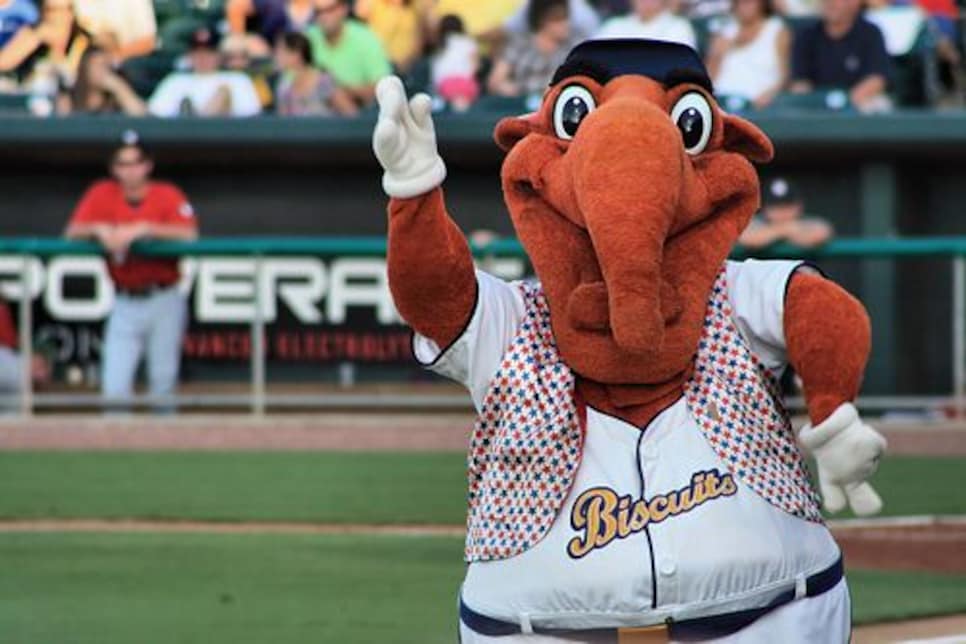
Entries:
{"x":150,"y":312}
{"x":10,"y":357}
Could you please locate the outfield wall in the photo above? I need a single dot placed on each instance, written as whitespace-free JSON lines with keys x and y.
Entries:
{"x":877,"y":176}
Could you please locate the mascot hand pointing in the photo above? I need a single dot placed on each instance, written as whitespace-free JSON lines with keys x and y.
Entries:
{"x":405,"y":142}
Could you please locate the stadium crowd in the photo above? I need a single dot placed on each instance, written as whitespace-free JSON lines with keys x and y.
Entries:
{"x":176,"y":58}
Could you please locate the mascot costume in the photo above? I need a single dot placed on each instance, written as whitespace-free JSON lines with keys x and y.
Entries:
{"x":633,"y":476}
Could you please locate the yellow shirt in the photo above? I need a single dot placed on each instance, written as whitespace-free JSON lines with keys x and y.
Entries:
{"x":396,"y":25}
{"x":478,"y":17}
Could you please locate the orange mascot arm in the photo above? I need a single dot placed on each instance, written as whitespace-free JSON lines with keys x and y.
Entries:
{"x":431,"y":272}
{"x":828,"y":337}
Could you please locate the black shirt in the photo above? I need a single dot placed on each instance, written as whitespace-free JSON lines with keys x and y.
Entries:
{"x":842,"y":62}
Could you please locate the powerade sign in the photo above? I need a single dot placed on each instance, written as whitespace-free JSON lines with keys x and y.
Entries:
{"x":315,"y":309}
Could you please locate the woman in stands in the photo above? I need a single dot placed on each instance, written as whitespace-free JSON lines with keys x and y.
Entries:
{"x":101,"y":90}
{"x":749,"y":57}
{"x":302,"y":89}
{"x":53,"y":48}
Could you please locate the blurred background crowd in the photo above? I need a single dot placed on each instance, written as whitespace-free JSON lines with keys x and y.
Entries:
{"x":242,"y":58}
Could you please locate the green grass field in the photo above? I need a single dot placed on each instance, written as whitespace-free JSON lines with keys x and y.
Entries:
{"x":281,"y":589}
{"x":226,"y":589}
{"x":349,"y":487}
{"x":114,"y":588}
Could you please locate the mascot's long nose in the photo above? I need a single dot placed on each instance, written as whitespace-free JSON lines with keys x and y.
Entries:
{"x":629,"y":167}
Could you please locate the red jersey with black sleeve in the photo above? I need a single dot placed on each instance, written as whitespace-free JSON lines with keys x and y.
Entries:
{"x":164,"y":203}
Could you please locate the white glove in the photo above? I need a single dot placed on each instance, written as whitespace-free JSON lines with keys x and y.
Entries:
{"x":847,"y":453}
{"x":405,"y":142}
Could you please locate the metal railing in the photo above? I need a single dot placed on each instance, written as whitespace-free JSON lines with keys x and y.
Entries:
{"x":258,"y":400}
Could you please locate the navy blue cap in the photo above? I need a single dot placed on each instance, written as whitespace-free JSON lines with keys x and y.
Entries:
{"x":669,"y":63}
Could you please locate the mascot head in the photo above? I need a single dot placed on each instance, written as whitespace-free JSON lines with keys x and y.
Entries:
{"x":628,"y":189}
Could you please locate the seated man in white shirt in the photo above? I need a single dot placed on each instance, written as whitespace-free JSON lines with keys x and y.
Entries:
{"x":206,"y":90}
{"x":650,"y":19}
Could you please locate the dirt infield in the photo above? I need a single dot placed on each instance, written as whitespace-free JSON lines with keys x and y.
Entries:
{"x":935,"y":630}
{"x":927,"y":544}
{"x":392,"y":432}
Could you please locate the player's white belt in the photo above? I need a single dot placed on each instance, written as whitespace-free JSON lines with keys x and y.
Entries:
{"x":684,"y":630}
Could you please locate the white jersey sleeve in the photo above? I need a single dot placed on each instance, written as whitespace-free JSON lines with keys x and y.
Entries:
{"x":757,"y":290}
{"x":474,"y":357}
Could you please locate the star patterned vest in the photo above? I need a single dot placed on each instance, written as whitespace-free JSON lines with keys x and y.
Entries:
{"x":526,"y":446}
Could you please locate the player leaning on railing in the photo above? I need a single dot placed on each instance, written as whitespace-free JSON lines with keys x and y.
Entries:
{"x":150,"y":314}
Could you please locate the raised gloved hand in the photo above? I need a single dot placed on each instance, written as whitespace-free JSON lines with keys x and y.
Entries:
{"x":405,"y":142}
{"x":847,"y":453}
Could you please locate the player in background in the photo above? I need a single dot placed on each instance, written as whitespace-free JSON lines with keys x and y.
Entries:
{"x":10,"y":358}
{"x":149,"y":314}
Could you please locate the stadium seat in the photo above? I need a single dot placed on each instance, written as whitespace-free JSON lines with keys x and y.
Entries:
{"x":734,"y":104}
{"x":915,"y":74}
{"x":705,"y":29}
{"x":146,"y":72}
{"x":13,"y":104}
{"x":177,"y":19}
{"x":174,"y":34}
{"x":419,"y":77}
{"x":835,"y":100}
{"x":501,"y":105}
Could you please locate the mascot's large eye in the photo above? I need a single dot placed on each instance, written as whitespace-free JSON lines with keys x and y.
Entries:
{"x":692,"y":115}
{"x":573,"y":105}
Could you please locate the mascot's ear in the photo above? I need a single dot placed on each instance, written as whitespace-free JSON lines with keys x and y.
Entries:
{"x":746,"y":139}
{"x":509,"y":131}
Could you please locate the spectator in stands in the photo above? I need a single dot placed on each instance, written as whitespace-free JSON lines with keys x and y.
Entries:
{"x":15,"y":14}
{"x":399,"y":26}
{"x":527,"y":64}
{"x":205,"y":90}
{"x":236,"y":57}
{"x":48,"y":53}
{"x":900,"y":24}
{"x":262,"y":22}
{"x":584,"y":20}
{"x":150,"y":313}
{"x":944,"y":18}
{"x":484,"y":21}
{"x":701,"y":9}
{"x":903,"y":24}
{"x":123,"y":28}
{"x":455,"y":64}
{"x":609,"y":8}
{"x":843,"y":51}
{"x":10,"y":378}
{"x":944,"y":24}
{"x":782,"y":219}
{"x":348,"y":50}
{"x":650,"y":19}
{"x":749,"y":57}
{"x":101,"y":90}
{"x":798,"y":8}
{"x":302,"y":89}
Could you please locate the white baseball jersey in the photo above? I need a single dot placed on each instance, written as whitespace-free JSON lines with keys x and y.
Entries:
{"x":585,"y":521}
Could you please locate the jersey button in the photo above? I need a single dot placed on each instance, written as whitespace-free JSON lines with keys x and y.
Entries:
{"x":668,"y":567}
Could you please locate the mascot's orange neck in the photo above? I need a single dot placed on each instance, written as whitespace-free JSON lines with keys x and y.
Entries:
{"x":635,"y":404}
